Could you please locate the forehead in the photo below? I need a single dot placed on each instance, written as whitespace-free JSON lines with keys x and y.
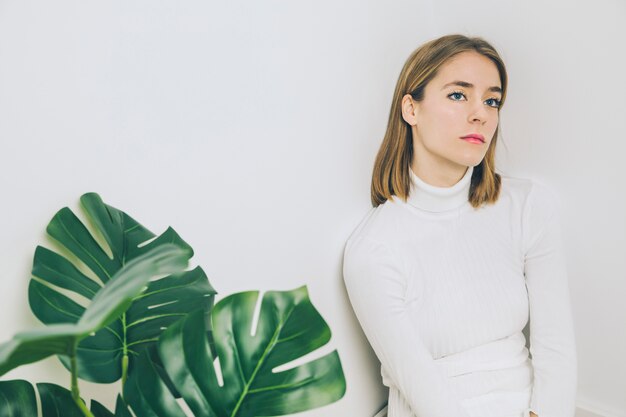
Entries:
{"x":470,"y":67}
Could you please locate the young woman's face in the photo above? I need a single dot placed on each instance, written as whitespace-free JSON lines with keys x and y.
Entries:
{"x":462,"y":99}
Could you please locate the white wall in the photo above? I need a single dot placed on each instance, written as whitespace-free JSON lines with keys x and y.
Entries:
{"x":251,"y":128}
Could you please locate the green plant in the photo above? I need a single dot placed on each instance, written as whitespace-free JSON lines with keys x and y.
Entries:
{"x":107,"y":356}
{"x":161,"y":337}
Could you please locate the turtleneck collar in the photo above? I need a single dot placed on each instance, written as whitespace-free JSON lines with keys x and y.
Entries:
{"x":437,"y":199}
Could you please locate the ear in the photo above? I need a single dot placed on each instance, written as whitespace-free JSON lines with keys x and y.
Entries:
{"x":409,"y":109}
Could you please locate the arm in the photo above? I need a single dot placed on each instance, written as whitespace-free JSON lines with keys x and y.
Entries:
{"x":375,"y":283}
{"x":552,"y":341}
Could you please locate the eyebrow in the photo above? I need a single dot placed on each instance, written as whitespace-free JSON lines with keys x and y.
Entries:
{"x":495,"y":89}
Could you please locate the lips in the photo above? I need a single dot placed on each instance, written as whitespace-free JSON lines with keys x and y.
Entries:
{"x":474,"y":136}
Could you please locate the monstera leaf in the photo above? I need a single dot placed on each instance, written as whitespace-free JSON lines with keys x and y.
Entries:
{"x":110,"y":302}
{"x":250,"y":384}
{"x":17,"y":399}
{"x":59,"y":282}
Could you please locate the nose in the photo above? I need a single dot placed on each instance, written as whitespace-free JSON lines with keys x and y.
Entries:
{"x":478,"y":113}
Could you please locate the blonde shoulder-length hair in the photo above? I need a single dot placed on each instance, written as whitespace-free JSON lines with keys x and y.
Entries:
{"x":391,"y":174}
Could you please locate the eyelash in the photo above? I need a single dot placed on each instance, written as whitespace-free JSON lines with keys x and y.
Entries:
{"x":497,"y":106}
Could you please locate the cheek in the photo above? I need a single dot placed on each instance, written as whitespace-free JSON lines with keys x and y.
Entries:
{"x":447,"y":112}
{"x":438,"y":116}
{"x":448,"y":120}
{"x":494,"y":117}
{"x":493,"y":122}
{"x":492,"y":126}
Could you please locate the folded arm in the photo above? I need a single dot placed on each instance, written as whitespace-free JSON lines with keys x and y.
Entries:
{"x":376,"y":284}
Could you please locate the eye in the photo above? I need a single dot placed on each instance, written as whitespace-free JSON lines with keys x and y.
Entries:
{"x":456,"y":93}
{"x":496,"y":101}
{"x":495,"y":105}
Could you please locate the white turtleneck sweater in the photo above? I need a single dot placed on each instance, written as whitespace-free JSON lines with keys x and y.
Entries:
{"x":443,"y":291}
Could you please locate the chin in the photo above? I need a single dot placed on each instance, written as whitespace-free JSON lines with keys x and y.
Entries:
{"x":470,"y":162}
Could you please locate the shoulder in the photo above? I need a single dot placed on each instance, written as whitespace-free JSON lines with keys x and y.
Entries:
{"x":532,"y":195}
{"x":369,"y":252}
{"x":540,"y":207}
{"x":381,"y":224}
{"x":371,"y":242}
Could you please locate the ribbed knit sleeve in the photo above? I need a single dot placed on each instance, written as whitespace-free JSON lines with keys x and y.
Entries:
{"x":552,"y":340}
{"x":376,"y":285}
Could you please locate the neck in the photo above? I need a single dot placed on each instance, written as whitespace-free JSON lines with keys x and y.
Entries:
{"x":440,"y":173}
{"x":435,"y":198}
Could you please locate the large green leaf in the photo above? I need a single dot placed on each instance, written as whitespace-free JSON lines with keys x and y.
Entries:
{"x":288,"y":328}
{"x":59,"y":281}
{"x":17,"y":399}
{"x":106,"y":306}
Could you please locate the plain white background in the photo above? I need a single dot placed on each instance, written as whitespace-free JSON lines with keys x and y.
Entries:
{"x":251,"y":128}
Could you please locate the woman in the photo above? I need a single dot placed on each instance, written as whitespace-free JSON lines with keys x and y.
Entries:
{"x":454,"y":260}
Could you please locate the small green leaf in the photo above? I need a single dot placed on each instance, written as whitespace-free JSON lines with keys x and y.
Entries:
{"x":99,"y":410}
{"x":154,"y":399}
{"x":17,"y":399}
{"x":32,"y":346}
{"x":121,"y":409}
{"x":57,"y":401}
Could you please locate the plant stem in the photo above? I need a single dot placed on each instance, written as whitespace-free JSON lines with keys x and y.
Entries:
{"x":75,"y":392}
{"x":124,"y":354}
{"x":124,"y":369}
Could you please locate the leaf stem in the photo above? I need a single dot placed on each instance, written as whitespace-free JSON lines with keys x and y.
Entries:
{"x":124,"y":354}
{"x":75,"y":392}
{"x":124,"y":369}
